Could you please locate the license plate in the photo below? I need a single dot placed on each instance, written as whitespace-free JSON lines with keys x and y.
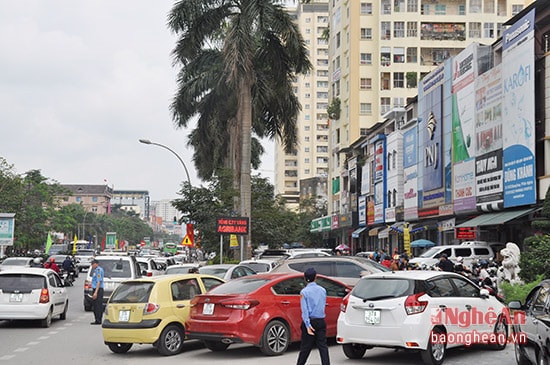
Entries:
{"x":124,"y":316}
{"x":372,"y":316}
{"x":208,"y":308}
{"x":16,"y":297}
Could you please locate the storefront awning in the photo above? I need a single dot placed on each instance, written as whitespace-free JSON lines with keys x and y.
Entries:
{"x":491,"y":219}
{"x":357,"y":232}
{"x":385,"y":233}
{"x":374,"y":231}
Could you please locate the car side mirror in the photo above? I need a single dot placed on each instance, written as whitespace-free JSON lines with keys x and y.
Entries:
{"x":484,"y":293}
{"x":514,"y":304}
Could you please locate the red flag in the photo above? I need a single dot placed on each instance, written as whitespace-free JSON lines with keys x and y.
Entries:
{"x":191,"y":233}
{"x":103,"y":244}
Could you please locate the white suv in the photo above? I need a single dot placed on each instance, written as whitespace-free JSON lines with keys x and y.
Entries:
{"x":428,"y":311}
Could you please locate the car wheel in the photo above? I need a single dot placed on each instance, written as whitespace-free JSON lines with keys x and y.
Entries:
{"x":354,"y":350}
{"x":63,"y":315}
{"x":435,"y":353}
{"x":275,"y":339}
{"x":170,"y":341}
{"x":119,"y":348}
{"x":216,"y":345}
{"x":46,"y":322}
{"x":500,"y":333}
{"x":521,"y":359}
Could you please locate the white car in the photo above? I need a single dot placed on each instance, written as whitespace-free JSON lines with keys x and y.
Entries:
{"x":261,"y":265}
{"x":150,"y":267}
{"x":227,"y":271}
{"x":428,"y":311}
{"x":32,"y":294}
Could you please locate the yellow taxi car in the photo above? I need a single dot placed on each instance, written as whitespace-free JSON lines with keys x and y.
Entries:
{"x":152,"y":310}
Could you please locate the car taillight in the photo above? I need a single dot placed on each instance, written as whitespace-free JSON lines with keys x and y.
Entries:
{"x":239,"y":303}
{"x":150,"y":308}
{"x":344,"y":304}
{"x":413,"y":305}
{"x":44,"y":295}
{"x":87,"y":285}
{"x":149,"y":273}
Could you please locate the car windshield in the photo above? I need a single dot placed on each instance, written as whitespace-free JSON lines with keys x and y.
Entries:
{"x":381,"y":288}
{"x":375,"y":265}
{"x":216,"y":271}
{"x":24,"y":283}
{"x":240,"y":286}
{"x":15,"y":261}
{"x":431,"y":252}
{"x":177,"y":270}
{"x":116,"y":268}
{"x":258,"y":266}
{"x":132,"y":292}
{"x":85,"y":252}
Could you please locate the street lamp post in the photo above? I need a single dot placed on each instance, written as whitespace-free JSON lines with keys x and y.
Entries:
{"x":146,"y":141}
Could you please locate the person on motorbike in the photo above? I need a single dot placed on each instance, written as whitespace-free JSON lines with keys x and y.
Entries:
{"x":460,"y":268}
{"x":52,"y":265}
{"x":68,"y":266}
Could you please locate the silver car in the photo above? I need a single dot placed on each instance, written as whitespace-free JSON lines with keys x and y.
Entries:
{"x":32,"y":294}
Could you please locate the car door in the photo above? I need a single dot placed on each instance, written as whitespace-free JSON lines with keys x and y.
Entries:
{"x":476,"y":313}
{"x":58,"y":293}
{"x":182,"y":291}
{"x":442,"y":305}
{"x":530,"y":327}
{"x":335,"y":293}
{"x":287,"y":299}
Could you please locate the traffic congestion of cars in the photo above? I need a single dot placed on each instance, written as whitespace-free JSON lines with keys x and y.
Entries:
{"x":152,"y":300}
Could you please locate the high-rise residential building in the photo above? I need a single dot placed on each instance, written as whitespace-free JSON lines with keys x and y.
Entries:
{"x":310,"y":159}
{"x":375,"y":54}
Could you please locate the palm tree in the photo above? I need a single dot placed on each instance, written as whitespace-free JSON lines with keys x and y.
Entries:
{"x":256,"y":51}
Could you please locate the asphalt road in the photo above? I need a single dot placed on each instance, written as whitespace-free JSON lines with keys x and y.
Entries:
{"x":75,"y":341}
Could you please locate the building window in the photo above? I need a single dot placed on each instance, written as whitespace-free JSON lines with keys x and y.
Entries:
{"x":385,"y":105}
{"x":412,"y":29}
{"x":366,"y":33}
{"x":366,"y":8}
{"x":308,"y":95}
{"x":338,"y":40}
{"x":399,"y":6}
{"x":394,"y":163}
{"x":489,"y":6}
{"x":399,"y":55}
{"x":385,"y":31}
{"x":366,"y":83}
{"x":488,"y":30}
{"x":399,"y":79}
{"x":386,"y":7}
{"x":366,"y":58}
{"x":475,"y":30}
{"x":475,"y":6}
{"x":78,"y":199}
{"x":385,"y":81}
{"x":306,"y":171}
{"x":412,"y":55}
{"x":398,"y":102}
{"x":385,"y":56}
{"x":306,"y":149}
{"x":461,"y":9}
{"x":306,"y":160}
{"x":307,"y":128}
{"x":94,"y":199}
{"x":399,"y":29}
{"x":516,"y":9}
{"x":412,"y":6}
{"x":499,"y":30}
{"x":440,"y":9}
{"x":365,"y":108}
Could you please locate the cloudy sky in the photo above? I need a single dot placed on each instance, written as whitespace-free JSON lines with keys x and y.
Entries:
{"x":81,"y":82}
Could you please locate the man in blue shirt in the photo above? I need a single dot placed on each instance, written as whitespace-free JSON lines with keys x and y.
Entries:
{"x":97,"y":291}
{"x":313,"y":299}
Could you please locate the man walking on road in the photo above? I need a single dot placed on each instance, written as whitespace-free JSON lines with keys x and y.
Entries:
{"x":313,"y":299}
{"x":97,"y":291}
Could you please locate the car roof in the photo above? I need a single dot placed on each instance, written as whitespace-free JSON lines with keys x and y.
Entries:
{"x":25,"y":270}
{"x":283,"y":275}
{"x":411,"y":274}
{"x":162,"y":278}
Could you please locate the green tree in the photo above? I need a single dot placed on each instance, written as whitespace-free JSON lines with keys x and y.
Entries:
{"x":543,"y":223}
{"x":261,"y":48}
{"x":534,"y":259}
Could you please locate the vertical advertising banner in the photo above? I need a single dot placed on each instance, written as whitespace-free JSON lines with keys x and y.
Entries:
{"x":379,"y":178}
{"x":362,"y":210}
{"x":489,"y":182}
{"x":463,"y":127}
{"x":431,"y":126}
{"x":410,"y":171}
{"x":518,"y":88}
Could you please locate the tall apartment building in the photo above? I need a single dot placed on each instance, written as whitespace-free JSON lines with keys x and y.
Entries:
{"x":310,"y":160}
{"x":374,"y":57}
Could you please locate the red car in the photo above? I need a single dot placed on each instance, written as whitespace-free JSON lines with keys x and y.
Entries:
{"x":263,"y":310}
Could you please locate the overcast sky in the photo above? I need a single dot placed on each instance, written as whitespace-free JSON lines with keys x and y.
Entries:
{"x":81,"y":82}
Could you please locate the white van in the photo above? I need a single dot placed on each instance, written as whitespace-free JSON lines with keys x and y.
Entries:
{"x":469,"y":252}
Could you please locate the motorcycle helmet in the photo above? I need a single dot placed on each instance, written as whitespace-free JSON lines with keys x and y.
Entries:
{"x":460,"y":259}
{"x":37,"y":260}
{"x":484,"y":263}
{"x":52,"y":259}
